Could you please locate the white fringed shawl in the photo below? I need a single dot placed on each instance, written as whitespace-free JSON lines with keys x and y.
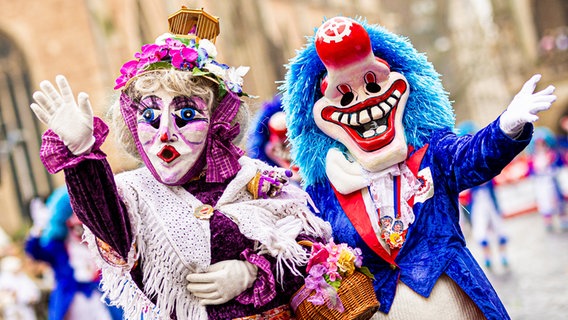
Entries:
{"x":171,"y":242}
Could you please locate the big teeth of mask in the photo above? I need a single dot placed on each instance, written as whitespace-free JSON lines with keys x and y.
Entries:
{"x":368,"y":133}
{"x":367,"y":115}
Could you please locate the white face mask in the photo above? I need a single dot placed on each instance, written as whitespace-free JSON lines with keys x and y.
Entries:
{"x":173,"y":132}
{"x":363,"y":110}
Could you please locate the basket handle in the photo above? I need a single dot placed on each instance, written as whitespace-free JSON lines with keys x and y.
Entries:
{"x":305,"y":243}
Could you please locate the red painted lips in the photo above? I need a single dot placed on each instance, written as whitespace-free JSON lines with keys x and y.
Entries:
{"x":168,"y":153}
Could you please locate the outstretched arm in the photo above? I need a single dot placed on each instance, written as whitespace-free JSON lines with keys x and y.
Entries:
{"x":478,"y":158}
{"x":73,"y":144}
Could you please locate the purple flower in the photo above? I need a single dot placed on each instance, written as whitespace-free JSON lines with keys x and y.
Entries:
{"x":358,"y":257}
{"x":315,"y":281}
{"x":174,"y":44}
{"x":184,"y":59}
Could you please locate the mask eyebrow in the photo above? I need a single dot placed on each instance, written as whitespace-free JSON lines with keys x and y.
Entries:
{"x":181,"y":102}
{"x":152,"y":101}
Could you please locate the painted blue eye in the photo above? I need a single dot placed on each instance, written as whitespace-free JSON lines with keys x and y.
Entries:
{"x":187,"y":114}
{"x":149,"y":115}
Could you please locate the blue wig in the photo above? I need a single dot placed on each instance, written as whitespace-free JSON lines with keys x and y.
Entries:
{"x":59,"y":206}
{"x":259,"y":135}
{"x":428,"y":107}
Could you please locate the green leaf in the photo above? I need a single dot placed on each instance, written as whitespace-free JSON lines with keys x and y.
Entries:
{"x":198,"y":72}
{"x":158,"y":65}
{"x":335,"y":284}
{"x":367,"y":272}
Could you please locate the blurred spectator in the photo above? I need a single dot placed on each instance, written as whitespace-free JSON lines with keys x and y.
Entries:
{"x":544,"y":164}
{"x":55,"y":238}
{"x":18,"y":292}
{"x":486,"y":216}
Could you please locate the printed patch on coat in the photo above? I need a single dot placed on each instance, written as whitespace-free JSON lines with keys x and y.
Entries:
{"x":426,"y":190}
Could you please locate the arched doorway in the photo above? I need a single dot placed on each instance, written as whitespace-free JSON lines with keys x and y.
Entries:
{"x":22,"y":176}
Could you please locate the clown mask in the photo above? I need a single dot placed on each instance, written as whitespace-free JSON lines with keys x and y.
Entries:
{"x":173,"y":131}
{"x":277,"y":148}
{"x":363,"y":100}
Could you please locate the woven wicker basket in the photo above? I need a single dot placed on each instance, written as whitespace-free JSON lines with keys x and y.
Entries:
{"x":357,"y":295}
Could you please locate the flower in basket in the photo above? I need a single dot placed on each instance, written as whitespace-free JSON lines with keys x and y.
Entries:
{"x":328,"y":265}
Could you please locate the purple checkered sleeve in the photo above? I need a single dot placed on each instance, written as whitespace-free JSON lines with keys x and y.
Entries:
{"x":91,"y":186}
{"x":55,"y":156}
{"x":264,"y":288}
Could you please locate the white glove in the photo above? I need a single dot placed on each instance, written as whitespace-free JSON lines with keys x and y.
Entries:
{"x":71,"y":122}
{"x":222,"y":282}
{"x":40,"y":216}
{"x":346,"y":176}
{"x":525,"y":106}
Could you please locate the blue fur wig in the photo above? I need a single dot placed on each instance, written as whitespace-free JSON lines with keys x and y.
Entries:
{"x":259,"y":134}
{"x":428,"y":107}
{"x":59,"y":206}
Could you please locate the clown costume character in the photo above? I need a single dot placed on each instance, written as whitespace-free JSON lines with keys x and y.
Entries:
{"x":371,"y":130}
{"x":267,"y":140}
{"x":198,"y":231}
{"x":56,"y":238}
{"x":545,"y":162}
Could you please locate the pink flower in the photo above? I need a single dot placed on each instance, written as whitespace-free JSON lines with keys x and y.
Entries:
{"x":127,"y":71}
{"x":184,"y":59}
{"x":319,"y":255}
{"x":151,"y":53}
{"x":174,"y":44}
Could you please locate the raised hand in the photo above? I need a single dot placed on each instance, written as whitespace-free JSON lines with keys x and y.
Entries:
{"x":72,"y":122}
{"x":525,"y":106}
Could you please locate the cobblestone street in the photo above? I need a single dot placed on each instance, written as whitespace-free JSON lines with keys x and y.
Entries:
{"x":535,"y":286}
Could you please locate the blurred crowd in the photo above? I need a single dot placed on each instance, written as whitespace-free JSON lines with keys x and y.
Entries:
{"x":536,"y":181}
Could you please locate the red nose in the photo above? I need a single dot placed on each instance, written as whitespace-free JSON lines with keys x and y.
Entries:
{"x":342,"y":41}
{"x":164,"y":137}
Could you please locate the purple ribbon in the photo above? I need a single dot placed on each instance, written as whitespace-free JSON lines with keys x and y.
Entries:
{"x":316,"y":282}
{"x":222,"y":155}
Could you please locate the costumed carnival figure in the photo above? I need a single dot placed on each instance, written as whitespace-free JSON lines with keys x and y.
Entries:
{"x":371,"y":130}
{"x":56,"y":238}
{"x":18,"y":291}
{"x":545,"y":162}
{"x":267,"y":140}
{"x":198,"y":231}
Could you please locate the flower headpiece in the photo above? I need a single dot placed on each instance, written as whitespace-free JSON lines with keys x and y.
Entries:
{"x":185,"y":52}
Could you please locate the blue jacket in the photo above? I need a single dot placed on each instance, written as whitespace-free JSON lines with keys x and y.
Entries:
{"x":55,"y":254}
{"x":435,"y":243}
